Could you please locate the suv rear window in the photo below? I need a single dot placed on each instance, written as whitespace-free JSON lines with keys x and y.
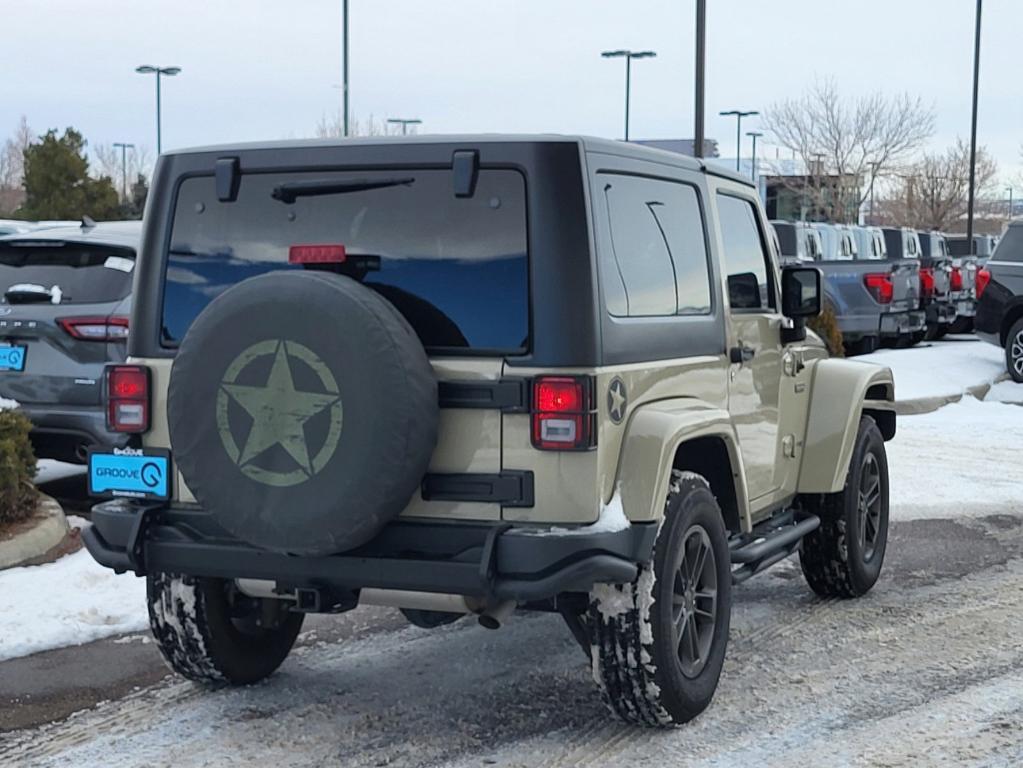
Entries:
{"x":456,"y":268}
{"x":81,"y":274}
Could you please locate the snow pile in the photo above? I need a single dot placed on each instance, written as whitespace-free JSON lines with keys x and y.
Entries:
{"x":962,"y":460}
{"x":49,"y":470}
{"x":8,"y":405}
{"x":1005,"y":392}
{"x":940,"y":369}
{"x":71,"y":601}
{"x":610,"y":519}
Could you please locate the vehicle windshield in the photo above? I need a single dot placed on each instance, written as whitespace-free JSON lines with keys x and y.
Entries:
{"x":64,"y":273}
{"x":455,"y":267}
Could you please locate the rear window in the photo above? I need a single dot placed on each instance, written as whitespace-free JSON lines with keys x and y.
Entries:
{"x":456,"y":268}
{"x":1010,"y":247}
{"x":67,"y":273}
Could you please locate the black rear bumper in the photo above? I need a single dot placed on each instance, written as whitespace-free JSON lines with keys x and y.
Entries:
{"x":490,"y":560}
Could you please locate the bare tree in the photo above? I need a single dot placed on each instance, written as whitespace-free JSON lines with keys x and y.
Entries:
{"x":932,"y":192}
{"x":12,"y":167}
{"x":843,"y":145}
{"x":333,"y":128}
{"x":138,"y":161}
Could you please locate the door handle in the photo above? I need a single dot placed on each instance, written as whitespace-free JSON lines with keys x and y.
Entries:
{"x":741,"y":354}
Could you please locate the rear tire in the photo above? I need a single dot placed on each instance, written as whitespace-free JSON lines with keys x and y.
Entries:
{"x":862,"y":346}
{"x":933,"y":332}
{"x":843,"y":557}
{"x":658,"y":644}
{"x":961,"y":325}
{"x":209,"y":632}
{"x":1014,"y":351}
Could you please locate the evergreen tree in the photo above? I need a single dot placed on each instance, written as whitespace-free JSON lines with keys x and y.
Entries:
{"x":57,"y":182}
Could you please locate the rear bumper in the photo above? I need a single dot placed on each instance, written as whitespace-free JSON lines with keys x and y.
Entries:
{"x":901,"y":323}
{"x":490,"y":560}
{"x":940,"y":312}
{"x":64,"y":432}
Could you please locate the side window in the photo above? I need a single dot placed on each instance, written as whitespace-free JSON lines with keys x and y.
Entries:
{"x":744,"y":259}
{"x":658,"y":261}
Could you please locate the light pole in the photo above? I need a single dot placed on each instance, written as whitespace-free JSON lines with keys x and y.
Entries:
{"x":628,"y":56}
{"x":344,"y":66}
{"x":404,"y":122}
{"x":124,"y":167}
{"x":1010,"y":203}
{"x":753,"y":161}
{"x":148,"y":69}
{"x":973,"y":130}
{"x":701,"y":68}
{"x":873,"y":177}
{"x":739,"y":114}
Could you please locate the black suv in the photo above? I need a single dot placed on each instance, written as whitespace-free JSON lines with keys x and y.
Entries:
{"x":65,"y":296}
{"x":1000,"y":299}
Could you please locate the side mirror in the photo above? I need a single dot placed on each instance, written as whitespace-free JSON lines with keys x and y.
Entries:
{"x":800,"y":292}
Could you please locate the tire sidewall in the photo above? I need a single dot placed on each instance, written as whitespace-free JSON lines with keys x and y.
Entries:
{"x":694,"y":504}
{"x":862,"y":573}
{"x":1016,"y":329}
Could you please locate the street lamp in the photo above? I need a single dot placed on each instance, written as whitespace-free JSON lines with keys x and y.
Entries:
{"x":344,"y":66}
{"x":148,"y":69}
{"x":973,"y":130}
{"x":628,"y":56}
{"x":753,"y":161}
{"x":124,"y":167}
{"x":404,"y":122}
{"x":1010,"y":203}
{"x":739,"y":115}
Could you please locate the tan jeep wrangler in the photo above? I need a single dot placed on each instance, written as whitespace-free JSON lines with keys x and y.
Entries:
{"x":465,"y":375}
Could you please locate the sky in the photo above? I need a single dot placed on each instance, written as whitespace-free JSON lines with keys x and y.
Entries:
{"x":262,"y":69}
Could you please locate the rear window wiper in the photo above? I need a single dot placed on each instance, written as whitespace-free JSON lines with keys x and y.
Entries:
{"x":288,"y":193}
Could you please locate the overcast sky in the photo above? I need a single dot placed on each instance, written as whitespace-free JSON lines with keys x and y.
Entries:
{"x":259,"y":69}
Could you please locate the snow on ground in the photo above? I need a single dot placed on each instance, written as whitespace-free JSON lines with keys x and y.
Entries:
{"x":959,"y":461}
{"x":942,"y":368}
{"x":1005,"y":392}
{"x":71,"y":601}
{"x":49,"y":470}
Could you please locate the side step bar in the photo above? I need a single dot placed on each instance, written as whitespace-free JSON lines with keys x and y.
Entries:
{"x":770,"y":547}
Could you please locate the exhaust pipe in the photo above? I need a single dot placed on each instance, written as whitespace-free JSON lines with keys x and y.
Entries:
{"x":82,"y":452}
{"x":494,"y":616}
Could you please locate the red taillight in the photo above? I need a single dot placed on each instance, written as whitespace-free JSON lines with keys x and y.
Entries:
{"x":317,"y":254}
{"x":880,"y":287}
{"x":983,"y":278}
{"x":956,"y":279}
{"x":112,"y":328}
{"x":926,"y":282}
{"x":562,"y":413}
{"x":127,"y":398}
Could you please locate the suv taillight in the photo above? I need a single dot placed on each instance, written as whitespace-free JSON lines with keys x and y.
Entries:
{"x":563,"y":413}
{"x":956,"y":279}
{"x":112,"y":328}
{"x":926,"y":283}
{"x":127,"y":398}
{"x":983,"y":278}
{"x":881,"y":288}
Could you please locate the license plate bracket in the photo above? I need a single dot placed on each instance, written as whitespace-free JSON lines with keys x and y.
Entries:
{"x":12,"y":357}
{"x":137,"y":473}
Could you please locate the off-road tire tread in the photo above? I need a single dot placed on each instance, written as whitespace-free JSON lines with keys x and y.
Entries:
{"x":622,"y":664}
{"x":180,"y":622}
{"x":824,"y":554}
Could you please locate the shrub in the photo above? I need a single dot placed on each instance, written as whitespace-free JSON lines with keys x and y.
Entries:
{"x":18,"y":494}
{"x":825,"y":325}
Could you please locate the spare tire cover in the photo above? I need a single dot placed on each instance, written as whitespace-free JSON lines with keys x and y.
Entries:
{"x":302,"y":411}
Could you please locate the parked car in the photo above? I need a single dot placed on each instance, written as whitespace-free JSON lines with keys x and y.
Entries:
{"x":983,"y":246}
{"x":469,"y":374}
{"x":999,"y":318}
{"x":870,"y":297}
{"x":65,"y":295}
{"x":936,"y":276}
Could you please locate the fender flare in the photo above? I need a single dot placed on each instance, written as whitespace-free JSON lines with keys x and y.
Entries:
{"x":654,"y":434}
{"x":840,"y":392}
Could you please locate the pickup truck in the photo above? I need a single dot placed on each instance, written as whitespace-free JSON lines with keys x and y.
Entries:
{"x":969,"y":261}
{"x":938,"y":278}
{"x":873,"y":299}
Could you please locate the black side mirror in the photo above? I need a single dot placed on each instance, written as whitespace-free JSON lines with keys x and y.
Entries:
{"x":800,"y":292}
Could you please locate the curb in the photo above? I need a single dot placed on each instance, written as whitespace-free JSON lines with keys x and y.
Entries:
{"x":49,"y":530}
{"x":930,"y":404}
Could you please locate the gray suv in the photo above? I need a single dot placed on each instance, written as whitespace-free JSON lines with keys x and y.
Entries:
{"x":65,"y":295}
